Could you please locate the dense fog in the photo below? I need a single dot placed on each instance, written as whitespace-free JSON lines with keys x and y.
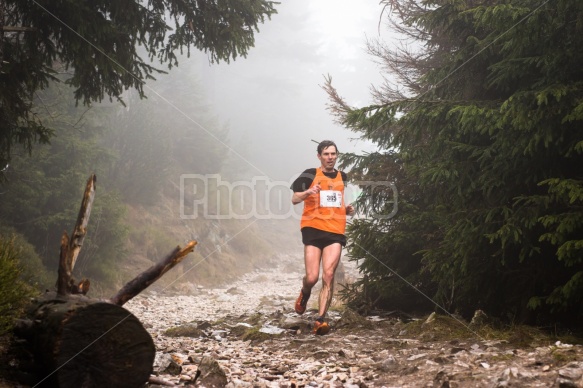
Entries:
{"x":272,"y":101}
{"x":208,"y":155}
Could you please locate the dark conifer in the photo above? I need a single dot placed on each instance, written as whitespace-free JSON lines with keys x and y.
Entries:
{"x":482,"y":137}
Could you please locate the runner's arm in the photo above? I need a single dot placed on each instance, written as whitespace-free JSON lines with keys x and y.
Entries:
{"x":301,"y":186}
{"x":301,"y":196}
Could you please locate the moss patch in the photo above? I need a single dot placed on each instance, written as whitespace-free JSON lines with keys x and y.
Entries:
{"x":352,"y":320}
{"x":188,"y":330}
{"x":439,"y":328}
{"x":254,"y":335}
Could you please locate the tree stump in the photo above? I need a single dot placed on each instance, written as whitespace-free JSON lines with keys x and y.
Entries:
{"x":82,"y":342}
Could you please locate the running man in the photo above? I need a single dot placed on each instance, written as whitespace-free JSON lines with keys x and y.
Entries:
{"x":323,"y":224}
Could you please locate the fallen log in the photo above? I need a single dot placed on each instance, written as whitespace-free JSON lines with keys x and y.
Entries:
{"x":77,"y":341}
{"x":81,"y":342}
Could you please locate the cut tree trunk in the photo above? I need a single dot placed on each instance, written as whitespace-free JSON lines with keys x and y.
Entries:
{"x":82,"y":342}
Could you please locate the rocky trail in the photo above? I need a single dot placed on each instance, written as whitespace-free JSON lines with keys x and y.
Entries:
{"x":247,"y":335}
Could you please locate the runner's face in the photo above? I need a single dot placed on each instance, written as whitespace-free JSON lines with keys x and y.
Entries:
{"x":328,"y":158}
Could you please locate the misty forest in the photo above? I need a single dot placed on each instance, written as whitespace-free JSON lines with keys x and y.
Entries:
{"x":478,"y":125}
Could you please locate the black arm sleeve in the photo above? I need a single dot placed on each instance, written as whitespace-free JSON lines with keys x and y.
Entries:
{"x":304,"y":181}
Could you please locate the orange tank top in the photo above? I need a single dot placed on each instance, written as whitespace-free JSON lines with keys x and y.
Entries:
{"x":326,"y":210}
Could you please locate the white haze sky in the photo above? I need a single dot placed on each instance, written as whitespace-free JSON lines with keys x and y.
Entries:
{"x":273,"y":102}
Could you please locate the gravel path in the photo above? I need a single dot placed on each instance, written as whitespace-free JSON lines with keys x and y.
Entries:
{"x":249,"y":331}
{"x":263,"y":291}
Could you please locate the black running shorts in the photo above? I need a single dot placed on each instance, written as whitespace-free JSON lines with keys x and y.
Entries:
{"x":320,"y":238}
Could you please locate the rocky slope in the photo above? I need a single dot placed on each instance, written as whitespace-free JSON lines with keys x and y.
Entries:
{"x":247,"y":335}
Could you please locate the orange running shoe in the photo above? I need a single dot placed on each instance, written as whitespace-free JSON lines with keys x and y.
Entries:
{"x":320,"y":328}
{"x":301,"y":302}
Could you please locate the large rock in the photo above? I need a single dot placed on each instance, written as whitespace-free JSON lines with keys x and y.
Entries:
{"x":211,"y":373}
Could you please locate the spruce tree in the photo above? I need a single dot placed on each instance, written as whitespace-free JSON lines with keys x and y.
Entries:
{"x":105,"y":47}
{"x":483,"y":138}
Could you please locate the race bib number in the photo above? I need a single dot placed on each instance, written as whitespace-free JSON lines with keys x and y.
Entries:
{"x":330,"y":198}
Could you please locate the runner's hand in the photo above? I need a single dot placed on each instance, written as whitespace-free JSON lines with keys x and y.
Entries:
{"x":350,"y":210}
{"x":314,"y":190}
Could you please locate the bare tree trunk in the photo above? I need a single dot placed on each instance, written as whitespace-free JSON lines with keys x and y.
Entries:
{"x":70,"y":247}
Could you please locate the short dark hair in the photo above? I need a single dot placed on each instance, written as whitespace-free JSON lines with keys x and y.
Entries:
{"x":325,"y":144}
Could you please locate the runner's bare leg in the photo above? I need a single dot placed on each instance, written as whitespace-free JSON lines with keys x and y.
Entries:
{"x":312,"y":256}
{"x":330,"y":260}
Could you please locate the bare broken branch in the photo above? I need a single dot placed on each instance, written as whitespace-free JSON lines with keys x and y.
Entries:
{"x":149,"y":276}
{"x":80,"y":230}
